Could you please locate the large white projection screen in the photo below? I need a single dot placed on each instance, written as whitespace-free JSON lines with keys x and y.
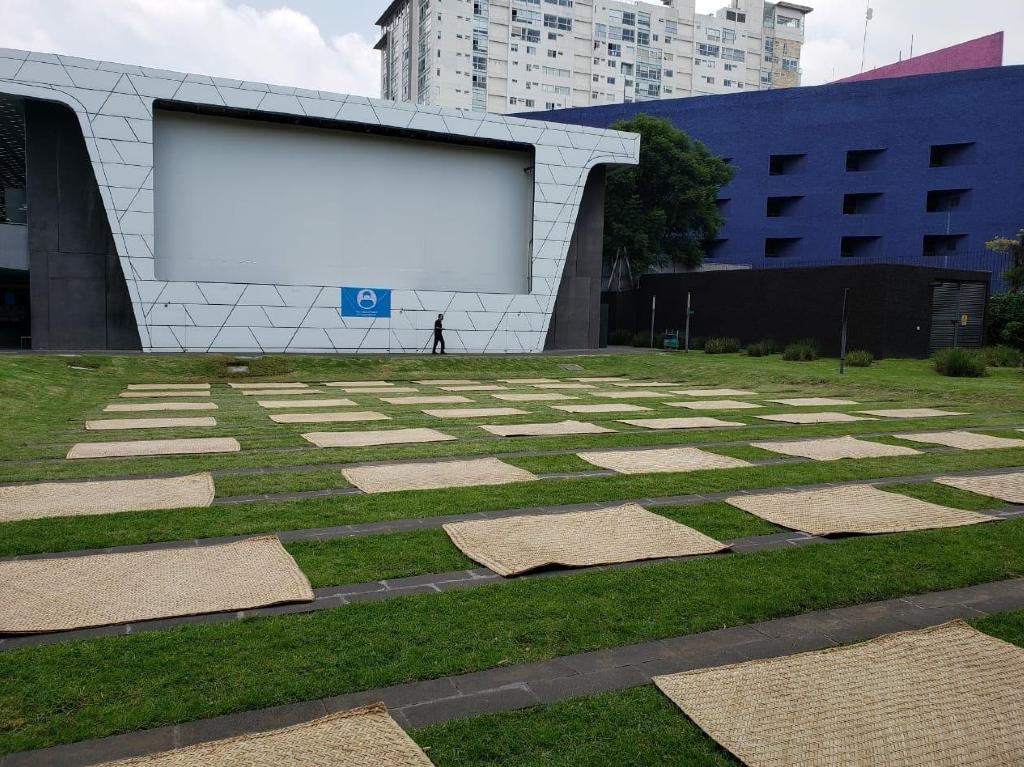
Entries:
{"x":256,"y":202}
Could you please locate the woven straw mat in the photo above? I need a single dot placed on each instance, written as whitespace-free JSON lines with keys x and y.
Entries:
{"x":661,"y":460}
{"x":679,"y":423}
{"x":535,"y":397}
{"x":353,"y":417}
{"x":167,"y":394}
{"x":964,"y":440}
{"x":946,"y":696}
{"x":440,"y":399}
{"x":154,"y":447}
{"x":64,"y":593}
{"x":166,"y":387}
{"x":79,"y":499}
{"x":813,"y":418}
{"x":394,"y":477}
{"x":515,"y":545}
{"x":527,"y":381}
{"x":716,"y":404}
{"x":631,"y":394}
{"x":147,"y":407}
{"x":813,"y":401}
{"x":643,"y":384}
{"x":115,"y":424}
{"x":716,"y":393}
{"x":611,"y":407}
{"x":835,"y":448}
{"x":447,"y":382}
{"x":923,"y":412}
{"x":1005,"y":487}
{"x":563,"y":386}
{"x":853,"y":509}
{"x":547,"y":429}
{"x":280,"y":392}
{"x":277,"y":404}
{"x":265,"y":385}
{"x":357,"y":384}
{"x":371,"y":438}
{"x":474,"y":412}
{"x":475,"y":387}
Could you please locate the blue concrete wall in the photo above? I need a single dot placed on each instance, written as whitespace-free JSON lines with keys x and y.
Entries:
{"x":905,"y":117}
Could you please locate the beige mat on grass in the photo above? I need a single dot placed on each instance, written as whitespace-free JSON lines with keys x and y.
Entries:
{"x":476,"y":387}
{"x":447,"y":382}
{"x":357,"y":416}
{"x":357,"y":384}
{"x":267,"y":385}
{"x":371,"y":438}
{"x":920,"y":412}
{"x":527,"y":381}
{"x":280,"y":392}
{"x":1005,"y":487}
{"x":361,"y":737}
{"x":474,"y":412}
{"x":715,"y":404}
{"x":394,"y":477}
{"x":965,"y":440}
{"x":629,"y":533}
{"x":379,"y":389}
{"x":171,"y":387}
{"x":440,"y":399}
{"x":852,"y":510}
{"x":154,"y":447}
{"x":163,"y":394}
{"x":663,"y":460}
{"x":716,"y":393}
{"x":835,"y":448}
{"x":947,"y":695}
{"x":600,"y":379}
{"x":679,"y":423}
{"x":611,"y":407}
{"x":643,"y":384}
{"x":631,"y":394}
{"x":813,"y":418}
{"x":115,"y":424}
{"x":547,"y":429}
{"x":563,"y":385}
{"x":277,"y":404}
{"x":64,"y":593}
{"x":535,"y":397}
{"x":80,"y":499}
{"x":150,"y":407}
{"x":813,"y":402}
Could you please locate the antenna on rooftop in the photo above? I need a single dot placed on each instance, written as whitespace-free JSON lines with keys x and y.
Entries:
{"x":864,"y":47}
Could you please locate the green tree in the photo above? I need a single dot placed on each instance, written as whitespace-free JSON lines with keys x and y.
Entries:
{"x":663,"y":210}
{"x":1014,"y":275}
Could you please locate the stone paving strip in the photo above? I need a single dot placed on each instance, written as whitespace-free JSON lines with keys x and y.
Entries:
{"x":836,"y":448}
{"x":600,"y":379}
{"x":813,"y":402}
{"x":509,"y":688}
{"x":164,"y":387}
{"x":280,"y":392}
{"x":266,"y":385}
{"x":1006,"y":487}
{"x":390,"y":478}
{"x":374,"y":438}
{"x":278,"y":404}
{"x":679,"y":423}
{"x":74,"y":499}
{"x":475,"y":387}
{"x":349,"y":417}
{"x":527,"y":381}
{"x":963,"y":440}
{"x":715,"y":404}
{"x":61,"y":594}
{"x":898,"y":699}
{"x":716,"y":393}
{"x":535,"y":397}
{"x":379,"y":389}
{"x":804,"y":418}
{"x":475,"y":412}
{"x":920,"y":412}
{"x":114,"y":424}
{"x":448,"y":382}
{"x":611,"y":407}
{"x":660,"y":460}
{"x":154,"y":447}
{"x":546,"y":429}
{"x":631,"y":394}
{"x":451,"y":399}
{"x":564,"y":386}
{"x":643,"y":384}
{"x":357,"y":384}
{"x":852,"y":510}
{"x":164,"y":394}
{"x":148,"y":407}
{"x":629,"y":533}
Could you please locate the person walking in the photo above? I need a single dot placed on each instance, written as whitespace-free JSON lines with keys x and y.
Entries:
{"x":439,"y":333}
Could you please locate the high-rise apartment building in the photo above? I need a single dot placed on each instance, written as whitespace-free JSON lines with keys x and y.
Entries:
{"x":520,"y":55}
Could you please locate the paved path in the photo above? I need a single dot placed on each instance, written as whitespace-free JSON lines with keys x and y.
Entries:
{"x":504,"y":689}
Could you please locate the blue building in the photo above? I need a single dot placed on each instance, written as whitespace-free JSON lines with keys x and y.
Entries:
{"x":917,"y":170}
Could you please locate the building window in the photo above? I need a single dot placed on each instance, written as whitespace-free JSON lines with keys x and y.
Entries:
{"x":943,"y":244}
{"x":860,"y":247}
{"x":785,"y":164}
{"x":781,"y":247}
{"x":862,"y":160}
{"x":862,"y":203}
{"x":948,"y":200}
{"x":708,"y":50}
{"x":561,"y":23}
{"x":946,"y":155}
{"x":782,"y":207}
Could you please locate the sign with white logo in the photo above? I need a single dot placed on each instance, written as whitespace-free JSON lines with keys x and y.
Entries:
{"x":365,"y":302}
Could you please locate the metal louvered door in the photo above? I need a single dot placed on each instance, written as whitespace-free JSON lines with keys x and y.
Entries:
{"x":958,"y":314}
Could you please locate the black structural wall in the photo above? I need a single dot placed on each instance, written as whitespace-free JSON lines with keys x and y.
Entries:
{"x":576,"y":322}
{"x":79,"y":298}
{"x":889,"y":305}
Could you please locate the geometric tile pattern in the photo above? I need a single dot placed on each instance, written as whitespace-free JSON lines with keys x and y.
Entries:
{"x":114,"y":106}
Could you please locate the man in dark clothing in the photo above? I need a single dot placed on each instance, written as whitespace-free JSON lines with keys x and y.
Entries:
{"x":439,"y":333}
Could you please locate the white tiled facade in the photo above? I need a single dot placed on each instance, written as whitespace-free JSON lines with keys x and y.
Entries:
{"x":507,"y":56}
{"x":114,"y":105}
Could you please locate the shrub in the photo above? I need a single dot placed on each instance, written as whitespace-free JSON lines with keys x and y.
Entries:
{"x":697,"y":343}
{"x":859,"y":358}
{"x":1005,"y":321}
{"x":721,"y":346}
{"x":1002,"y":356}
{"x":801,"y":351}
{"x":761,"y":348}
{"x":959,"y":363}
{"x":620,"y":338}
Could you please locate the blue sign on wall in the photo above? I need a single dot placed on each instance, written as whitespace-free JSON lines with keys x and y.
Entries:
{"x":365,"y":302}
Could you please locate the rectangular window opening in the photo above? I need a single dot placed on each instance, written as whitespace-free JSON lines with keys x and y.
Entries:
{"x":862,"y":203}
{"x":781,"y":247}
{"x":785,"y":164}
{"x":863,"y":160}
{"x":944,"y":244}
{"x":781,"y":207}
{"x":948,"y":200}
{"x":861,"y":247}
{"x":947,"y":155}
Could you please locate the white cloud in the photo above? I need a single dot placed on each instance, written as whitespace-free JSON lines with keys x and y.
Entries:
{"x":280,"y":46}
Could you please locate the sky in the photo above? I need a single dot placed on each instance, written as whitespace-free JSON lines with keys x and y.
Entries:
{"x":328,"y":44}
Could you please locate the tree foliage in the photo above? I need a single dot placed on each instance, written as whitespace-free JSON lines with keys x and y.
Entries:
{"x":1014,"y":275}
{"x":664,"y":210}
